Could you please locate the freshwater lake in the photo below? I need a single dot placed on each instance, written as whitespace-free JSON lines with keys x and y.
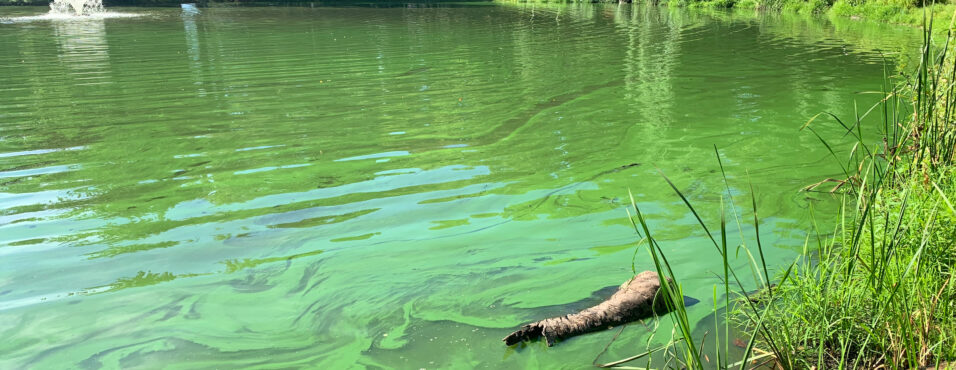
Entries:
{"x":395,"y":187}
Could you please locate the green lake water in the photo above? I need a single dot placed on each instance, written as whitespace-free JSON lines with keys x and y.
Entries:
{"x":392,"y":187}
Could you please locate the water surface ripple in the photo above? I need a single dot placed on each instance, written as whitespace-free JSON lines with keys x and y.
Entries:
{"x":387,"y":187}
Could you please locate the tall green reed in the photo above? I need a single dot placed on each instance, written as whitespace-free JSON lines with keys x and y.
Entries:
{"x":686,"y":350}
{"x":871,"y":296}
{"x":876,"y":291}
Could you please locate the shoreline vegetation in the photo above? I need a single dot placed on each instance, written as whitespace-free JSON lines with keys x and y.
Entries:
{"x":902,"y":12}
{"x":875,"y":290}
{"x":878,"y":291}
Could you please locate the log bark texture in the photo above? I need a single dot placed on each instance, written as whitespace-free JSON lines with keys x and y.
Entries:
{"x":634,"y":300}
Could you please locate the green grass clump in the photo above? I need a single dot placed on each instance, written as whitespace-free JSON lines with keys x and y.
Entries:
{"x":875,"y":290}
{"x":905,"y":12}
{"x":714,"y":4}
{"x":879,"y":292}
{"x":874,"y":10}
{"x":805,"y":7}
{"x":747,"y":4}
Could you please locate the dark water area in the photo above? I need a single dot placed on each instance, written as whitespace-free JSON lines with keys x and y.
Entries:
{"x":344,"y":187}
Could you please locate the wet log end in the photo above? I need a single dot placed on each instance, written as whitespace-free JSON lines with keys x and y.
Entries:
{"x":634,"y":300}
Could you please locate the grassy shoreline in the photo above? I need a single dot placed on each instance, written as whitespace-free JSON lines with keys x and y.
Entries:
{"x":875,"y":290}
{"x":880,"y":291}
{"x":901,"y":12}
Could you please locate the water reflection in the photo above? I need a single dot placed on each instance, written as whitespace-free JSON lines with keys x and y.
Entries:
{"x":83,"y":49}
{"x":653,"y":48}
{"x":385,"y":187}
{"x":191,"y":30}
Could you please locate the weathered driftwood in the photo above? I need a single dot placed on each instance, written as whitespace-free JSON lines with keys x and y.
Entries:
{"x":634,"y":300}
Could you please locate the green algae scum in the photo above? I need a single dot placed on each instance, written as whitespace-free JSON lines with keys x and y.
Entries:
{"x":392,"y":187}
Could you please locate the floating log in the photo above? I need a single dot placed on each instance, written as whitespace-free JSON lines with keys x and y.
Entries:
{"x":636,"y":299}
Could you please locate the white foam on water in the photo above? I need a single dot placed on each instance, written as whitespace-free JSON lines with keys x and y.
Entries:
{"x":69,"y":17}
{"x":72,"y":10}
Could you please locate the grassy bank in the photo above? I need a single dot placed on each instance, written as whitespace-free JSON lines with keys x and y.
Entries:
{"x":874,"y":290}
{"x":879,"y":291}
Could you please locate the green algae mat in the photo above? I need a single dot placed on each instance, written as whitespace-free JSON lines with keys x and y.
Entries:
{"x":395,"y":187}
